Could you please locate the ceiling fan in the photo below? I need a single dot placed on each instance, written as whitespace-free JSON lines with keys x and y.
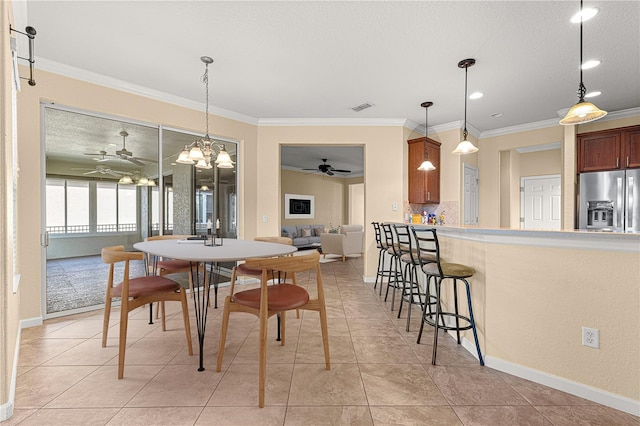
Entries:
{"x":102,"y":156}
{"x":103,"y":170}
{"x":328,"y":169}
{"x":127,"y":155}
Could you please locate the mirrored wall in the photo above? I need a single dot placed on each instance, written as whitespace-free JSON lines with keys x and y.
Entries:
{"x":112,"y":181}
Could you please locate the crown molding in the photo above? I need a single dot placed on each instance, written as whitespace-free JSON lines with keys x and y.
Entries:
{"x":338,"y":122}
{"x":615,"y":115}
{"x":113,"y":83}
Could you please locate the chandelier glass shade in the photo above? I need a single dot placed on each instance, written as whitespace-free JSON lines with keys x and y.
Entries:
{"x":582,"y":112}
{"x":426,"y":165}
{"x":202,"y":151}
{"x":465,"y":147}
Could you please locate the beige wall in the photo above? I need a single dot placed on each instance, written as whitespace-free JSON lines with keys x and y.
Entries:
{"x":532,"y":316}
{"x":384,"y":165}
{"x":9,"y":302}
{"x":328,"y":193}
{"x":541,"y":163}
{"x":489,"y":164}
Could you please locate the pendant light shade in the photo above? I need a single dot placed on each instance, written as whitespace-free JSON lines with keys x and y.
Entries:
{"x":582,"y":112}
{"x":426,"y":165}
{"x":465,"y":147}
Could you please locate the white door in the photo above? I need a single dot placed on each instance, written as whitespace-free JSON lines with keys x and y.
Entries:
{"x":470,"y":202}
{"x":540,"y":203}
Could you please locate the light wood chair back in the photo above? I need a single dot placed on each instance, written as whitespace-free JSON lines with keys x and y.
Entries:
{"x":269,"y":300}
{"x":136,"y":292}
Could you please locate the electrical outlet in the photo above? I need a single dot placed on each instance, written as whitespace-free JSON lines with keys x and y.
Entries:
{"x":591,"y":337}
{"x":394,"y":207}
{"x":265,"y":218}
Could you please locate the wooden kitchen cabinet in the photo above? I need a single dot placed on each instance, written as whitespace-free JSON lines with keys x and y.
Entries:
{"x":424,"y":187}
{"x":613,"y":149}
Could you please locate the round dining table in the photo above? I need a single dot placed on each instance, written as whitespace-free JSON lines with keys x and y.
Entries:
{"x":209,"y":253}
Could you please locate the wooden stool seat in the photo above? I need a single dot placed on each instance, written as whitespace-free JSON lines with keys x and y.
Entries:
{"x":449,"y":270}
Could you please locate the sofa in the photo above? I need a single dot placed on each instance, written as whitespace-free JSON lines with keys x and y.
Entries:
{"x":303,"y":235}
{"x":347,"y":241}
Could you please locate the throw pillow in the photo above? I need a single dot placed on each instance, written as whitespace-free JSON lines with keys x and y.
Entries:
{"x":318,"y":231}
{"x":305,"y":232}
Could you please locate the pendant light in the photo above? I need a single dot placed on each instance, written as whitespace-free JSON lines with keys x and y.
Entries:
{"x":582,"y":112}
{"x":465,"y":147}
{"x":426,"y":165}
{"x":201,"y":151}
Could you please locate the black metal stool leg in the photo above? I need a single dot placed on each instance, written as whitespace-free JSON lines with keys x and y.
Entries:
{"x":473,"y":323}
{"x":455,"y":302}
{"x":435,"y":333}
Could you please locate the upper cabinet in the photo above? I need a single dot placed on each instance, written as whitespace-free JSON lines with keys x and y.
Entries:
{"x":424,"y":187}
{"x":613,"y":149}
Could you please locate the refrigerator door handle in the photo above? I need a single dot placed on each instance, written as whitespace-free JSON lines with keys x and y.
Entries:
{"x":619,"y":210}
{"x":629,"y":198}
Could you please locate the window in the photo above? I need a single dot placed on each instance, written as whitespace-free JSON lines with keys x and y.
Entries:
{"x":70,"y":204}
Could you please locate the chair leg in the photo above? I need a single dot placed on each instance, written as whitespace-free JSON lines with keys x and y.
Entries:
{"x":325,"y":335}
{"x":185,"y":318}
{"x":283,"y":327}
{"x":455,"y":303}
{"x":105,"y":324}
{"x":223,"y":332}
{"x":164,"y":317}
{"x":122,"y":344}
{"x":262,"y":379}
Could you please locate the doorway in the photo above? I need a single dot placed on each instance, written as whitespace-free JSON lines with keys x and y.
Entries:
{"x":541,"y":202}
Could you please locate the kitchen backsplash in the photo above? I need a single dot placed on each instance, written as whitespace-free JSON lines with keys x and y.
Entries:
{"x":448,"y":208}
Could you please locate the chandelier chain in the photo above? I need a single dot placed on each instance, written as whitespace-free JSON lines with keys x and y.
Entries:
{"x":205,"y":80}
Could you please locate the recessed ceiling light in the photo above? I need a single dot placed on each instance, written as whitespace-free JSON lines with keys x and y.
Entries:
{"x":496,"y":114}
{"x":113,"y":144}
{"x":585,"y":14}
{"x":173,"y":164}
{"x":476,"y":95}
{"x":587,"y":65}
{"x":593,"y":94}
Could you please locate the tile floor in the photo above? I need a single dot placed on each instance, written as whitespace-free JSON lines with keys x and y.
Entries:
{"x":378,"y":375}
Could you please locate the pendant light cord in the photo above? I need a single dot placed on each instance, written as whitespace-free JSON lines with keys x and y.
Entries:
{"x":205,"y":80}
{"x":581,"y":89}
{"x":465,"y":133}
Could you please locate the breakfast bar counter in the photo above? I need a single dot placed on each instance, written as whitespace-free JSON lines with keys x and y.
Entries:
{"x":534,"y":291}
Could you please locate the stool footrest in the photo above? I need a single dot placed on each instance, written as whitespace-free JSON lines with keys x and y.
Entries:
{"x":428,"y":318}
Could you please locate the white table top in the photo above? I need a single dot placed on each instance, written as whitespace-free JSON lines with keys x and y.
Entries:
{"x":196,"y":251}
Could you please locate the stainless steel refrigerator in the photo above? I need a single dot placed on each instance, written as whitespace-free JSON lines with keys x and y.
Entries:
{"x":610,"y":201}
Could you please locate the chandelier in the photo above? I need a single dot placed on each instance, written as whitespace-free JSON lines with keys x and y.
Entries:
{"x":201,"y":151}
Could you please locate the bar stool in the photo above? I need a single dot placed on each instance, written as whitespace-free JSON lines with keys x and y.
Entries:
{"x":427,"y":242}
{"x":382,"y":248}
{"x":395,"y":269}
{"x":412,"y":260}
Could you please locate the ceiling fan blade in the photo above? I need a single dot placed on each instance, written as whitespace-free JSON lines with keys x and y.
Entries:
{"x":311,"y":169}
{"x":111,"y":173}
{"x":135,"y":161}
{"x":91,"y":172}
{"x":341,"y":171}
{"x":329,"y":172}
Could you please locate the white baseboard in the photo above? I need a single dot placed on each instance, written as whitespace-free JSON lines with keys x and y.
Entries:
{"x":6,"y":409}
{"x":599,"y":396}
{"x":31,"y":322}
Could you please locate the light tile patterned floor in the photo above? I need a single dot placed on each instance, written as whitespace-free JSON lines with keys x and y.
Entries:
{"x":379,"y":375}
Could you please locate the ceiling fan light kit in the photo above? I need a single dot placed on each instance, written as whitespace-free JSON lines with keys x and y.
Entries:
{"x":465,"y":147}
{"x":582,"y":112}
{"x":201,"y":151}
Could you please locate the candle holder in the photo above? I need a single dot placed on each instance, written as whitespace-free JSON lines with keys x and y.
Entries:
{"x":213,"y":240}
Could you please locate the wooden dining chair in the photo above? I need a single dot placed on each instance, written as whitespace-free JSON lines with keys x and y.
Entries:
{"x":269,"y":300}
{"x":136,"y":292}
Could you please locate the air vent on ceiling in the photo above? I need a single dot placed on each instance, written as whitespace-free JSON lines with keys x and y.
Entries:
{"x":362,"y":106}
